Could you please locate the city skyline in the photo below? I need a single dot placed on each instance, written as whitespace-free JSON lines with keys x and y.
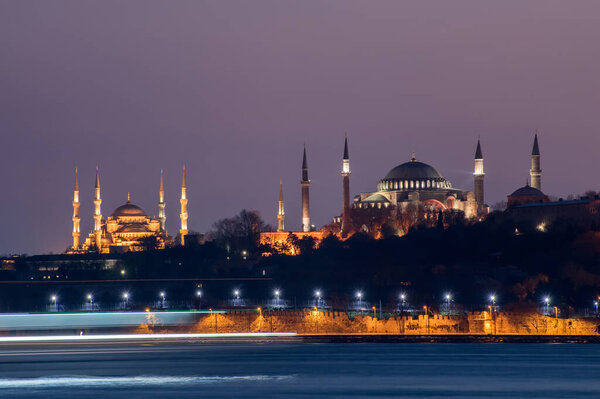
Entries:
{"x":234,"y":95}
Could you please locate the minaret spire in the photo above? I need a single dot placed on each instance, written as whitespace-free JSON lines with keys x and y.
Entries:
{"x":162,"y":218}
{"x":184,"y":215}
{"x":76,"y":233}
{"x":97,"y":213}
{"x":478,"y":177}
{"x":281,"y":211}
{"x":345,"y":188}
{"x":305,"y":184}
{"x":536,"y":171}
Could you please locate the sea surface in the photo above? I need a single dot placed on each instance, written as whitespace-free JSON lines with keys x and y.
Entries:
{"x":300,"y":370}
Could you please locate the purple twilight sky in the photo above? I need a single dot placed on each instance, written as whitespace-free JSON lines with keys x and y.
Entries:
{"x":234,"y":88}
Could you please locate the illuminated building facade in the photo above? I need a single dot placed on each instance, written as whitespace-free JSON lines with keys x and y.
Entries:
{"x":128,"y":228}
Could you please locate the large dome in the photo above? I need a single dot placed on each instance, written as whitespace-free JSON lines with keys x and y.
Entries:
{"x":413,"y":175}
{"x":413,"y":170}
{"x":128,"y":210}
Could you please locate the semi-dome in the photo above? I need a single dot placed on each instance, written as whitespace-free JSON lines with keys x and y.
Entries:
{"x":128,"y":210}
{"x":527,"y":191}
{"x":413,"y":175}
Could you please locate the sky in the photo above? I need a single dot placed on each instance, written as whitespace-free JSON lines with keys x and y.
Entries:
{"x":233,"y":89}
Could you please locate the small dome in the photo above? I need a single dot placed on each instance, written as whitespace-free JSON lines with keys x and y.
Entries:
{"x":527,"y":191}
{"x":128,"y":209}
{"x":413,"y":170}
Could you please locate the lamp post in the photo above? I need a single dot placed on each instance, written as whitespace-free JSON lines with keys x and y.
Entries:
{"x":162,"y":299}
{"x":359,"y":297}
{"x":54,"y":305}
{"x":125,"y":299}
{"x":546,"y":304}
{"x":90,"y":299}
{"x":596,"y":306}
{"x":448,"y":299}
{"x":318,"y":298}
{"x":236,"y":293}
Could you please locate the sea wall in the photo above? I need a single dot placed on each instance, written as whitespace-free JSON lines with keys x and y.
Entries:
{"x":318,"y":322}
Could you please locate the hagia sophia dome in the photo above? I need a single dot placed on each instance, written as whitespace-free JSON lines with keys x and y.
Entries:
{"x":413,"y":175}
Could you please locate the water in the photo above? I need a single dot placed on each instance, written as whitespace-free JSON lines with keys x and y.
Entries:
{"x":301,"y":370}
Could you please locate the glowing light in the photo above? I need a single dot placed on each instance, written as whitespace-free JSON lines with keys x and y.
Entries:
{"x":133,"y":337}
{"x":237,"y":294}
{"x":402,"y":296}
{"x":89,"y":297}
{"x":318,"y":293}
{"x":277,"y":293}
{"x":492,"y":298}
{"x":547,"y":300}
{"x":125,"y":295}
{"x":448,"y":297}
{"x":53,"y":298}
{"x":198,"y":293}
{"x":122,"y":272}
{"x":359,"y":295}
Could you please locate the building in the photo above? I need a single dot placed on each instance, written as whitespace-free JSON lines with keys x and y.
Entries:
{"x":409,"y":193}
{"x":128,"y":228}
{"x":530,"y":204}
{"x":413,"y":192}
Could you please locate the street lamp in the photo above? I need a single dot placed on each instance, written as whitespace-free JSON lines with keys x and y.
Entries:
{"x":448,"y":299}
{"x":402,"y":301}
{"x":277,"y":293}
{"x":90,"y":299}
{"x":198,"y":293}
{"x":318,"y":295}
{"x":236,"y":293}
{"x":493,"y":301}
{"x":359,"y":297}
{"x":162,"y":299}
{"x":596,"y":306}
{"x":546,"y":303}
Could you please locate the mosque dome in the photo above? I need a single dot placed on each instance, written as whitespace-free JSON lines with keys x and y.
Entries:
{"x":413,"y":175}
{"x":413,"y":170}
{"x":527,"y":191}
{"x":128,"y":210}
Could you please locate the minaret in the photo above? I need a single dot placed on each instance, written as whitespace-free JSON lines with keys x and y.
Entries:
{"x":97,"y":214}
{"x":76,"y":219}
{"x":281,"y":211}
{"x":478,"y":176}
{"x":345,"y":187}
{"x":184,"y":215}
{"x":162,"y":218}
{"x":535,"y":172}
{"x":305,"y":183}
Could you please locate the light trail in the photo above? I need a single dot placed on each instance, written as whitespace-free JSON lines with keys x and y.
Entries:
{"x":138,"y":337}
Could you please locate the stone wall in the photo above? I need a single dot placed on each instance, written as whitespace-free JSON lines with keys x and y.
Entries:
{"x":318,"y":322}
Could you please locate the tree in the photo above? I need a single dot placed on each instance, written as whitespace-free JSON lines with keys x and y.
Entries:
{"x":241,"y":232}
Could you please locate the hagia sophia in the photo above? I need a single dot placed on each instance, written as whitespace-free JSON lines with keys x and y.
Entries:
{"x":411,"y":193}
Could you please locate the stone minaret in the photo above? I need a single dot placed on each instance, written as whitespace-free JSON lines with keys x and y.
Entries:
{"x":535,"y":172}
{"x":97,"y":213}
{"x":281,"y":211}
{"x":478,"y":176}
{"x":162,"y":217}
{"x":184,"y":215}
{"x":345,"y":188}
{"x":305,"y":183}
{"x":76,"y":219}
